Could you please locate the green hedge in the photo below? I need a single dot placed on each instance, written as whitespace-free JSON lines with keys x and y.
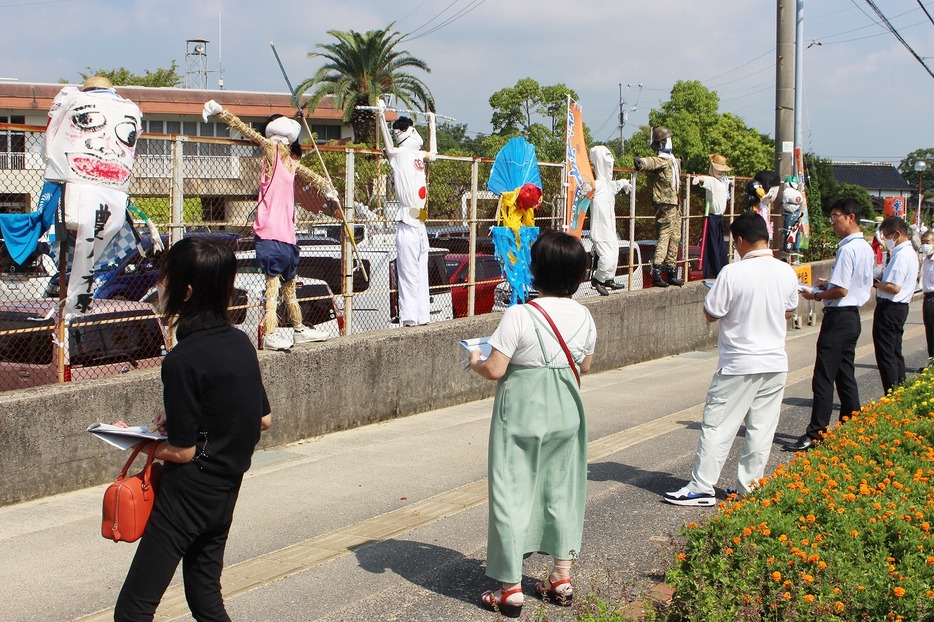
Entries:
{"x":843,"y":532}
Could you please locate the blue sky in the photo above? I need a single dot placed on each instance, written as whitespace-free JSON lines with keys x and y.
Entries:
{"x":866,"y":97}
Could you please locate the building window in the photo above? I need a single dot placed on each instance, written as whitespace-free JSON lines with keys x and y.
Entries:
{"x":12,"y":144}
{"x":326,"y":132}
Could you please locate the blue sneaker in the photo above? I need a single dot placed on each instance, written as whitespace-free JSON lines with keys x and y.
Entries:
{"x":686,"y":496}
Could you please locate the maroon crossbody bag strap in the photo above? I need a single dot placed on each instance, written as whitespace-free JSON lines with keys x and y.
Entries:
{"x":564,"y":346}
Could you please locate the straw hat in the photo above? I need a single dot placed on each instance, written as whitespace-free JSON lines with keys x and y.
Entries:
{"x":96,"y":82}
{"x":718,"y":162}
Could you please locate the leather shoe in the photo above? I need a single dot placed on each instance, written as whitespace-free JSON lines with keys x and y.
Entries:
{"x":612,"y":284}
{"x":597,"y":285}
{"x":803,"y":443}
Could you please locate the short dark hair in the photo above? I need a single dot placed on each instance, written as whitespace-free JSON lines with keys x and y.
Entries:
{"x":559,"y":263}
{"x":848,"y":206}
{"x":208,"y":267}
{"x":893,"y":224}
{"x":750,"y":226}
{"x":402,"y":123}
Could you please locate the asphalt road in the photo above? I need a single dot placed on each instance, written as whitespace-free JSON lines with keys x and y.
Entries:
{"x":388,"y":522}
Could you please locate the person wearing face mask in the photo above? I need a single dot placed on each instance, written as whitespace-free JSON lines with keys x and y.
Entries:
{"x":403,"y":148}
{"x":847,"y":289}
{"x":603,"y":220}
{"x":927,"y":287}
{"x":665,"y":173}
{"x":893,"y":293}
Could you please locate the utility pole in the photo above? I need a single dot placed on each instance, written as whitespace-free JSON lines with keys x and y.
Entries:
{"x":624,"y":114}
{"x":799,"y":90}
{"x":784,"y":88}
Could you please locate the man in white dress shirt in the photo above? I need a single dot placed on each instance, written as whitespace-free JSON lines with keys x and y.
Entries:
{"x":893,"y":293}
{"x":848,"y":289}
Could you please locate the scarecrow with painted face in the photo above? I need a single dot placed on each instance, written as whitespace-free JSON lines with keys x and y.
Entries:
{"x":277,"y":251}
{"x":403,"y":147}
{"x":90,"y":145}
{"x":718,"y":189}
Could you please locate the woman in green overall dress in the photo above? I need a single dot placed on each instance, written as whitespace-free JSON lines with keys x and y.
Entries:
{"x":538,"y":435}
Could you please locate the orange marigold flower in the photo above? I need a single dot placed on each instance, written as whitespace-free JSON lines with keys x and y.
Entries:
{"x":899,"y":591}
{"x":836,"y":590}
{"x":776,"y":576}
{"x":809,"y":598}
{"x":930,"y":560}
{"x":839,"y":606}
{"x":782,"y":538}
{"x":822,"y":564}
{"x":692,"y":525}
{"x":786,"y":595}
{"x":682,"y":557}
{"x":854,"y":533}
{"x":807,"y":578}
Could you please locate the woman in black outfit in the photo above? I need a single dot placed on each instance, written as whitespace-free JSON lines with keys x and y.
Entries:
{"x":215,"y":409}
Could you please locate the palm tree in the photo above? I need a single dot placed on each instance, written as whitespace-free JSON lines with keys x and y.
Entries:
{"x":360,"y":68}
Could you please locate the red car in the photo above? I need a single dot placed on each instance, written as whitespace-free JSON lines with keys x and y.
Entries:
{"x":488,"y":274}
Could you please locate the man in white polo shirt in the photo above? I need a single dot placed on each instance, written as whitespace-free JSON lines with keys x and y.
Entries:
{"x":752,"y":299}
{"x":927,"y":286}
{"x":893,"y":293}
{"x":843,"y":294}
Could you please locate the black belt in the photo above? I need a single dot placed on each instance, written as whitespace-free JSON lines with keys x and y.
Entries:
{"x":928,"y":295}
{"x":889,"y":302}
{"x":840,"y":309}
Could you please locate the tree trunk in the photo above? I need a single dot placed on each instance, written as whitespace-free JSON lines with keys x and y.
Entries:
{"x":364,"y":127}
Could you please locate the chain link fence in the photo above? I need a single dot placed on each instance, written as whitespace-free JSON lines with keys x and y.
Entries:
{"x":204,"y":186}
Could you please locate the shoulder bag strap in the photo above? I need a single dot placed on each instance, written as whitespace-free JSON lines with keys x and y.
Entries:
{"x":564,"y":346}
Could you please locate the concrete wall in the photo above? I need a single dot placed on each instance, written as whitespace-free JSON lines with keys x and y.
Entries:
{"x":321,"y":388}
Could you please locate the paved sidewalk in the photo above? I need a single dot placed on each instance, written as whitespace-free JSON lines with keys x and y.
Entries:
{"x":388,"y":522}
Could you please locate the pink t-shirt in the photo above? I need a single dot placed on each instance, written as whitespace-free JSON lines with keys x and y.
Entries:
{"x":275,"y":209}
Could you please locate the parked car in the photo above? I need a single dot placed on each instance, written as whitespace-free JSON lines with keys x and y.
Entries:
{"x":29,"y":280}
{"x":321,"y":309}
{"x":112,"y":338}
{"x":487,"y":274}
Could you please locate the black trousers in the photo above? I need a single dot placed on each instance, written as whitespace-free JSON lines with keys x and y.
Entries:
{"x":715,"y":248}
{"x":189,"y":522}
{"x":834,"y":365}
{"x":888,"y":326}
{"x":927,"y":312}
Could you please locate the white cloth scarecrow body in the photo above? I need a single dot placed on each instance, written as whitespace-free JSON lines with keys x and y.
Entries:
{"x":407,"y":159}
{"x":602,"y":213}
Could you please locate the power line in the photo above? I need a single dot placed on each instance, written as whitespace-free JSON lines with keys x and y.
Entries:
{"x":470,"y":7}
{"x":898,"y":36}
{"x":739,"y":67}
{"x":409,"y":14}
{"x":437,"y":15}
{"x":925,"y":11}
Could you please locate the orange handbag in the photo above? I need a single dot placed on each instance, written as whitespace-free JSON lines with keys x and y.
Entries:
{"x":128,"y":501}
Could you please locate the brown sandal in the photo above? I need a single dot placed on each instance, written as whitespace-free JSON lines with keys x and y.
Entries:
{"x":490,"y":602}
{"x":547,"y":592}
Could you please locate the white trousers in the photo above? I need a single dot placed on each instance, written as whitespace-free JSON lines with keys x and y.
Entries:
{"x":412,"y":269}
{"x":607,"y":258}
{"x":754,"y":400}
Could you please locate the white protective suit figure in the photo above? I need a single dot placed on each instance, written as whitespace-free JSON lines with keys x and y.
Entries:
{"x":603,"y":220}
{"x":277,"y":251}
{"x":404,"y":150}
{"x":90,"y":145}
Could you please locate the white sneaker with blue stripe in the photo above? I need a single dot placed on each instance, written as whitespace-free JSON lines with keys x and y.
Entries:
{"x":686,"y":496}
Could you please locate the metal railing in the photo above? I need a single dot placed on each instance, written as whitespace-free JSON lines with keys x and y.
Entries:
{"x":187,"y":191}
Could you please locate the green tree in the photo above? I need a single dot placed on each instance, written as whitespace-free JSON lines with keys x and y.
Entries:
{"x":534,"y":111}
{"x":699,"y":129}
{"x":121,"y":76}
{"x":453,"y":139}
{"x":907,"y":168}
{"x":361,"y":67}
